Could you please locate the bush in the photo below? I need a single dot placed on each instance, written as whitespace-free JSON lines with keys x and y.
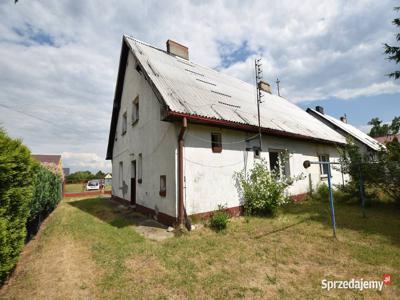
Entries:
{"x":15,"y":197}
{"x":219,"y":220}
{"x":46,"y":194}
{"x":263,"y":191}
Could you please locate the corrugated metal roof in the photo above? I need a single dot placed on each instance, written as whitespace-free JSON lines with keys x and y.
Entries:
{"x":189,"y":88}
{"x":351,"y":130}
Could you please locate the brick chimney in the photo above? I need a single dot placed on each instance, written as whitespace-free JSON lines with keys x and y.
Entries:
{"x":319,"y":109}
{"x":177,"y":49}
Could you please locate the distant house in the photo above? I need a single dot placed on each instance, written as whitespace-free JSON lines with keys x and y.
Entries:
{"x":366,"y":143}
{"x":179,"y":131}
{"x":54,"y":160}
{"x":108,"y":179}
{"x":387,"y":138}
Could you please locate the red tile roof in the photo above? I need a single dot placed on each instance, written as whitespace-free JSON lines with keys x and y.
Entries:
{"x":387,"y":138}
{"x":54,"y":159}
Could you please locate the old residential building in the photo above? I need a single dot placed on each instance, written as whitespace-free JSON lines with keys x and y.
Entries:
{"x":179,"y":131}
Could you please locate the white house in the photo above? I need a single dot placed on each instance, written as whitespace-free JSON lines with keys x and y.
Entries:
{"x":364,"y":142}
{"x":179,"y":131}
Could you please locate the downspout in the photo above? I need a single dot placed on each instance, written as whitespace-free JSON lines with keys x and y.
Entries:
{"x":181,"y":141}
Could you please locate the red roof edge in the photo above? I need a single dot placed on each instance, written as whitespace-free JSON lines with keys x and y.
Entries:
{"x":172,"y":115}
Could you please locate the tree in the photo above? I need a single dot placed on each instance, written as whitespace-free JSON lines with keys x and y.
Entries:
{"x":100,"y":175}
{"x":393,"y":52}
{"x":379,"y":129}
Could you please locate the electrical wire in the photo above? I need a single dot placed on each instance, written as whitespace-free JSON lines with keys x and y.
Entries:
{"x":212,"y":166}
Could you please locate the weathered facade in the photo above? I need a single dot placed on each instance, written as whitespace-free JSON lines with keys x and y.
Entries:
{"x":180,"y":131}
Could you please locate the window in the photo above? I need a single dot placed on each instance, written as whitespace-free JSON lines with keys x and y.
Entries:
{"x":324,"y":168}
{"x":279,"y":161}
{"x":216,"y":142}
{"x":140,"y":170}
{"x":124,"y":123}
{"x":121,"y":174}
{"x":135,"y":110}
{"x":163,"y":185}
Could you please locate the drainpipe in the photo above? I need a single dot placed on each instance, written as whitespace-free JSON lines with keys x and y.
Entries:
{"x":181,"y":141}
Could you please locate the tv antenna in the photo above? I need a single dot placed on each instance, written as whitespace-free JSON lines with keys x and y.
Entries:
{"x":277,"y":85}
{"x":258,"y":71}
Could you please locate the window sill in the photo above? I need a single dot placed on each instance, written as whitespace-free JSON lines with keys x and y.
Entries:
{"x":134,"y":122}
{"x":123,"y":133}
{"x":163,"y":193}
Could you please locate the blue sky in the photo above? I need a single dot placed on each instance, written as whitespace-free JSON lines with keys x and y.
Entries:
{"x":59,"y":60}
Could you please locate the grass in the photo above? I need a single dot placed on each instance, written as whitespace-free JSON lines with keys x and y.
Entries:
{"x":88,"y":249}
{"x":79,"y":187}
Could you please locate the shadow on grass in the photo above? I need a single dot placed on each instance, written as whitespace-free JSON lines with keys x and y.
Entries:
{"x":115,"y":214}
{"x":381,"y":219}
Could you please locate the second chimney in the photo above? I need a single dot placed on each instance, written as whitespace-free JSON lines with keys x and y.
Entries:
{"x":177,"y":49}
{"x":319,"y":109}
{"x":343,"y":119}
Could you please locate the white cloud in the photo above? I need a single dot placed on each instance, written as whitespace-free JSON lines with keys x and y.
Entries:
{"x":59,"y":59}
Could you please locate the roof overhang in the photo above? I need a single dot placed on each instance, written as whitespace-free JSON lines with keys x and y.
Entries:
{"x":177,"y":116}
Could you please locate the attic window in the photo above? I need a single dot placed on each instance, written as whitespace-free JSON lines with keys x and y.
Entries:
{"x":124,"y":123}
{"x":139,"y":69}
{"x":135,"y":110}
{"x":216,"y":142}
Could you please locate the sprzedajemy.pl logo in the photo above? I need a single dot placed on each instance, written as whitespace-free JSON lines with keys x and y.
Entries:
{"x":356,"y":284}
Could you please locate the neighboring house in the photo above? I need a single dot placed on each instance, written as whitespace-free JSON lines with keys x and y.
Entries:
{"x":179,"y":131}
{"x":54,"y":160}
{"x":108,"y":179}
{"x":366,"y":143}
{"x":387,"y":138}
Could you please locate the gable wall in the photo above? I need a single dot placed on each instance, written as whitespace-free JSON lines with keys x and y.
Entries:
{"x":155,"y":139}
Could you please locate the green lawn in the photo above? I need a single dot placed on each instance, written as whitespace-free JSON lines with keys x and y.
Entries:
{"x":88,"y":249}
{"x":79,"y":187}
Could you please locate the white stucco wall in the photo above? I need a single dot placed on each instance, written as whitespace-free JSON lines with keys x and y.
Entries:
{"x":209,"y":176}
{"x":155,"y":139}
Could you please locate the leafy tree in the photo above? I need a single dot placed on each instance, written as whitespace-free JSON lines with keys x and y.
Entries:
{"x":393,"y":52}
{"x":379,"y":129}
{"x":80,"y":176}
{"x":100,"y":175}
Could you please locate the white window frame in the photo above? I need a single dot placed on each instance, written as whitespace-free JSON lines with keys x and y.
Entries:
{"x":286,"y":169}
{"x":326,"y":158}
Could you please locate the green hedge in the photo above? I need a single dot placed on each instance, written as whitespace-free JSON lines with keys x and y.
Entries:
{"x":29,"y":191}
{"x":46,"y":189}
{"x":15,"y":197}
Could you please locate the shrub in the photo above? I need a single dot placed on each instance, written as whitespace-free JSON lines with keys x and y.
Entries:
{"x":15,"y":197}
{"x":219,"y":220}
{"x":263,"y":191}
{"x":46,"y":194}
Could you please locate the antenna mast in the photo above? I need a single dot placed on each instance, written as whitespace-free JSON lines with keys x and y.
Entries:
{"x":258,"y":71}
{"x":277,"y":84}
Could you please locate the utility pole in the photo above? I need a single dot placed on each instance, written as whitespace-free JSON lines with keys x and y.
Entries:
{"x":277,"y":84}
{"x":258,"y":71}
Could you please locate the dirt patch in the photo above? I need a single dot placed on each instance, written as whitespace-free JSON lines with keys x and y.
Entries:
{"x":57,"y":268}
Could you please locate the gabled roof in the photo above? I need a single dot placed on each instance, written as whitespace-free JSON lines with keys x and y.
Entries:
{"x":355,"y":133}
{"x":45,"y":158}
{"x":206,"y":95}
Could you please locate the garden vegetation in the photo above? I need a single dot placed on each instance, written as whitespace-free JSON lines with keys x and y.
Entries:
{"x":28,"y":191}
